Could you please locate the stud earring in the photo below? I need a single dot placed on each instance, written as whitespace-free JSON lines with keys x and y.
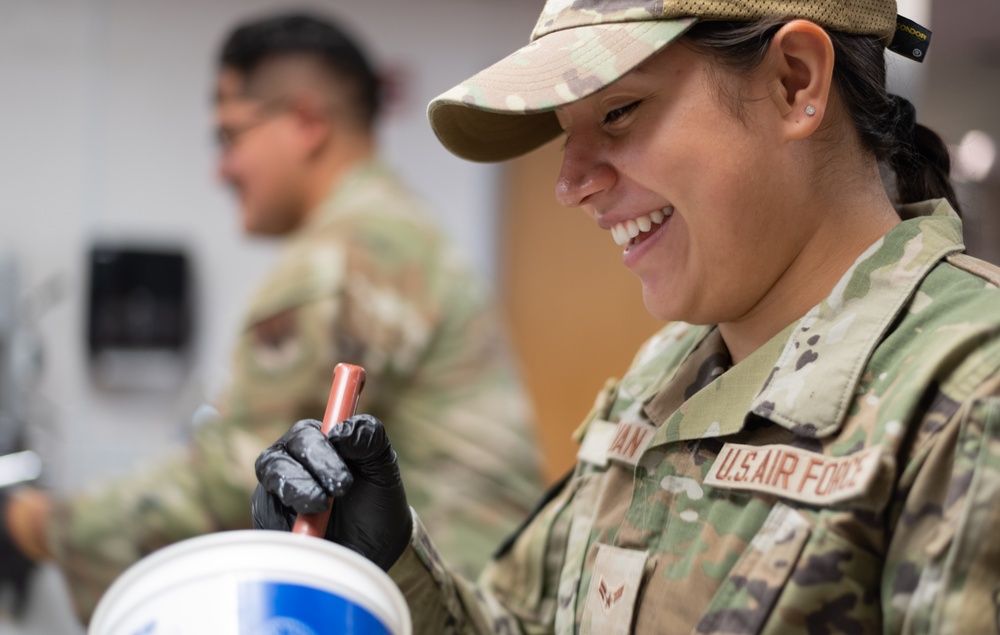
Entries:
{"x":810,"y":110}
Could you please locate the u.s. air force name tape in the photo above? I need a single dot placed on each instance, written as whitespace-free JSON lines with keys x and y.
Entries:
{"x":795,"y":474}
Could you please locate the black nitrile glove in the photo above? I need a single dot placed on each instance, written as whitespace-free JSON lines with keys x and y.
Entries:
{"x":356,"y":466}
{"x":15,"y":567}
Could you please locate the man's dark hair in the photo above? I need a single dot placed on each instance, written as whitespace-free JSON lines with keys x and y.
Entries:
{"x":258,"y":41}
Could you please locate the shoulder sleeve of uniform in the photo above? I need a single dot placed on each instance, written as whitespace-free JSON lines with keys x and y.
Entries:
{"x":282,"y":364}
{"x":96,"y":535}
{"x":970,"y":598}
{"x":945,"y":574}
{"x":441,"y":601}
{"x":312,"y":268}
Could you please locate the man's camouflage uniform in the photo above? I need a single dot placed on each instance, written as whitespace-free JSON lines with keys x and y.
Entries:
{"x":368,"y":281}
{"x":844,"y":478}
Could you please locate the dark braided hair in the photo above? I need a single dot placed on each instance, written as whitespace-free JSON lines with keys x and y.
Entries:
{"x":885,"y":124}
{"x":252,"y":43}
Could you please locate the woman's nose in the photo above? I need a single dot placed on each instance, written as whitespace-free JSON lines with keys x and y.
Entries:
{"x":583,"y":174}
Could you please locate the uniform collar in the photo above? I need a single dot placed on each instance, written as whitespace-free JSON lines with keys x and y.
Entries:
{"x":816,"y":377}
{"x":689,"y":406}
{"x":339,"y":200}
{"x":812,"y":367}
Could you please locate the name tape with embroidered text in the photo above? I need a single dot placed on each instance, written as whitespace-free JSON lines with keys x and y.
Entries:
{"x":793,"y":473}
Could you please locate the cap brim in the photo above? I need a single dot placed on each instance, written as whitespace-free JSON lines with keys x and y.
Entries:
{"x":506,"y":109}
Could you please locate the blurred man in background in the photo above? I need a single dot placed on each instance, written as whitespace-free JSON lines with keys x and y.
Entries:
{"x":365,"y":278}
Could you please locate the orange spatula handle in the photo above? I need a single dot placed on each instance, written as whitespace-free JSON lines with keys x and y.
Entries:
{"x":348,"y":380}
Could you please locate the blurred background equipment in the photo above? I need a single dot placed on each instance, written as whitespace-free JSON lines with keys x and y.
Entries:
{"x":20,"y":362}
{"x":139,"y":316}
{"x":19,"y":467}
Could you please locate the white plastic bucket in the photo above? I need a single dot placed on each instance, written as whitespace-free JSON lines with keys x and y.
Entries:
{"x":252,"y":583}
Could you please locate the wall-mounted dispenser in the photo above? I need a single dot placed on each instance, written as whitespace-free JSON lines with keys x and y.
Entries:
{"x":139,"y":323}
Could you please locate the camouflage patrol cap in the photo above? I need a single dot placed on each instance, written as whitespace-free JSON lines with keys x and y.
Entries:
{"x":579,"y":47}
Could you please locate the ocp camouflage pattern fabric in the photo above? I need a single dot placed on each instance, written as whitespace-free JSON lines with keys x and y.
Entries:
{"x":844,"y":478}
{"x":369,"y":281}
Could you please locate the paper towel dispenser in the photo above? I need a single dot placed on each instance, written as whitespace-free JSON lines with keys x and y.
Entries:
{"x":139,"y":322}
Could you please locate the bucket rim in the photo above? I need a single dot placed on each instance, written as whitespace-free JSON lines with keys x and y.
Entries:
{"x":111,"y":599}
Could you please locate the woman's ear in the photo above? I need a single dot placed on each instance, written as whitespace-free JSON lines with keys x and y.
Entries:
{"x":800,"y":73}
{"x":776,"y":91}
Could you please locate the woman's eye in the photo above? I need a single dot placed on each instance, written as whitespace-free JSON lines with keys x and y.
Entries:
{"x":618,"y":113}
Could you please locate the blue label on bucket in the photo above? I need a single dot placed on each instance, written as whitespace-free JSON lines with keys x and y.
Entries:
{"x":269,"y":608}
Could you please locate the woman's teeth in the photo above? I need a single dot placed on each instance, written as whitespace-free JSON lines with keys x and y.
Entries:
{"x":624,"y":232}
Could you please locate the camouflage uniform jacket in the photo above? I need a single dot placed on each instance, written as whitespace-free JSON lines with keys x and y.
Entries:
{"x":369,"y":281}
{"x":844,"y":478}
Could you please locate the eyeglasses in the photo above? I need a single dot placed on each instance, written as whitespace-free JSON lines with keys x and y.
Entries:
{"x":227,"y":137}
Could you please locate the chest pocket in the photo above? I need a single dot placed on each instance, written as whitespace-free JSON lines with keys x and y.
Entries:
{"x":749,"y":593}
{"x":614,"y":591}
{"x":797,"y":577}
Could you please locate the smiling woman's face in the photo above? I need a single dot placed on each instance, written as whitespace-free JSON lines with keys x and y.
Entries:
{"x":659,"y":153}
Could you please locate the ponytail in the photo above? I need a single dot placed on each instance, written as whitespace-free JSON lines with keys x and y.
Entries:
{"x":919,"y":157}
{"x":886,"y":124}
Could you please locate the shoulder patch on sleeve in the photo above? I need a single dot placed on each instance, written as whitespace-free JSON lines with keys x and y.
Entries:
{"x":276,"y":342}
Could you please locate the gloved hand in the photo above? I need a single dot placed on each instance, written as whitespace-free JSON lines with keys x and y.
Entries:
{"x":15,"y":567}
{"x":356,"y":466}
